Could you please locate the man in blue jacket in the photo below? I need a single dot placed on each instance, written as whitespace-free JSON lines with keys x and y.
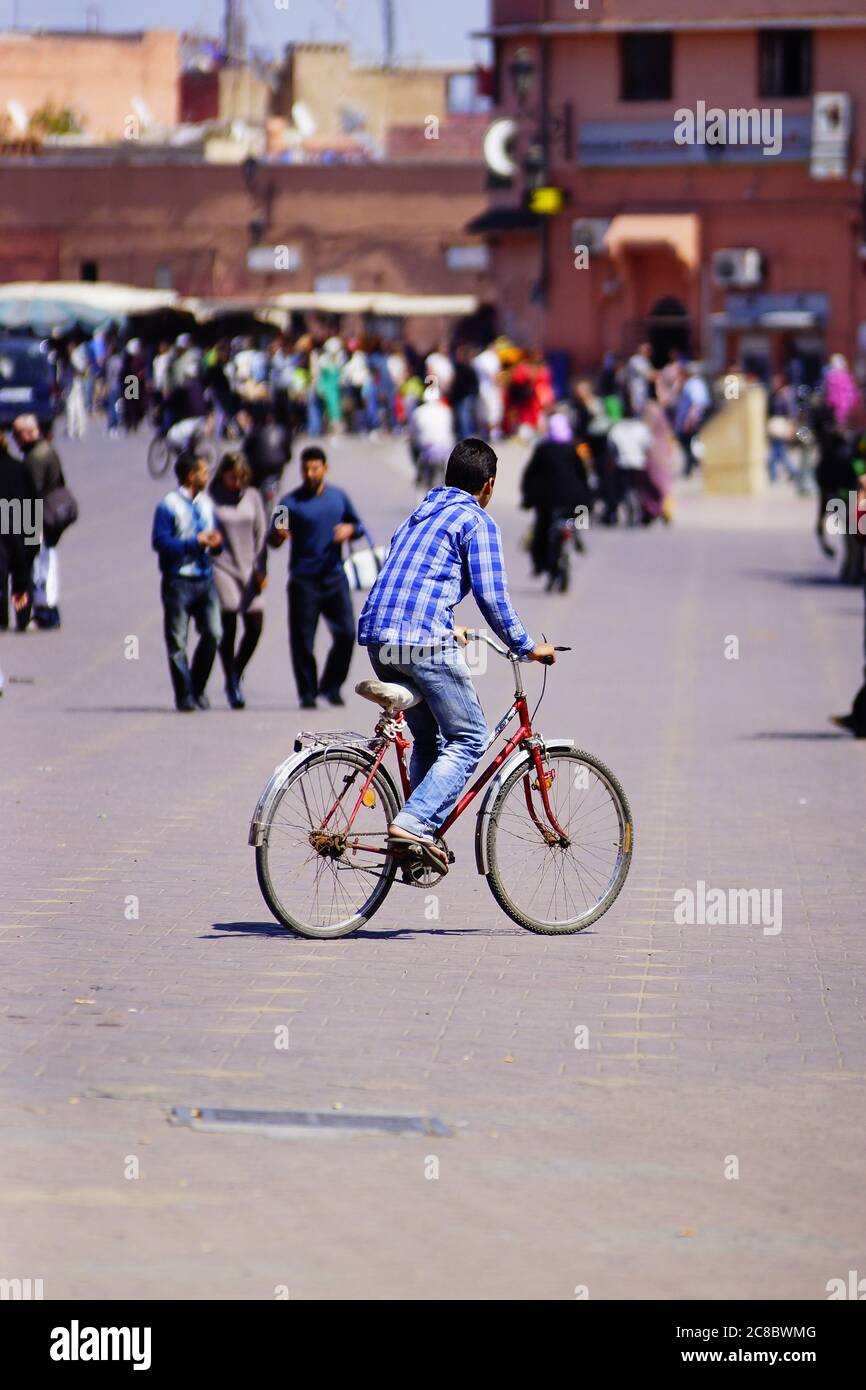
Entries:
{"x":185,"y":536}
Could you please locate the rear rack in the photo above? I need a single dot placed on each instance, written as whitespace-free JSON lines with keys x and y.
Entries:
{"x":331,"y":738}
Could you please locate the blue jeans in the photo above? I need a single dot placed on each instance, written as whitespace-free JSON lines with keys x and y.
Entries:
{"x":464,"y":417}
{"x":779,"y":457}
{"x":315,"y":418}
{"x":184,"y":599}
{"x":370,"y":397}
{"x":448,"y":729}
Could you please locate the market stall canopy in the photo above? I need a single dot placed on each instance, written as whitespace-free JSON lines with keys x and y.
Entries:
{"x":221,"y":317}
{"x":45,"y":306}
{"x":382,"y":305}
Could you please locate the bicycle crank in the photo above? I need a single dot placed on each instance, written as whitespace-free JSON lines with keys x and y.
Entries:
{"x":417,"y":872}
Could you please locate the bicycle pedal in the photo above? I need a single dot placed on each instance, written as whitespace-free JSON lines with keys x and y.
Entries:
{"x":419,"y":874}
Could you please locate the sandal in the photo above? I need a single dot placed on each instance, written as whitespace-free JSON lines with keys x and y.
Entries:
{"x":425,"y":850}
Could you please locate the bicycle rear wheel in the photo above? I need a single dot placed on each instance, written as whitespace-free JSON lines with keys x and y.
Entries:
{"x":554,"y":888}
{"x":318,"y":876}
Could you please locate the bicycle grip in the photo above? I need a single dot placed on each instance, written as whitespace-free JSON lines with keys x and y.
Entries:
{"x":548,"y":660}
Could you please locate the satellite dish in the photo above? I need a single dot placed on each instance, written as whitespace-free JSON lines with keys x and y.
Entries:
{"x":142,"y":110}
{"x":18,"y":115}
{"x":499,"y":148}
{"x":303,"y":118}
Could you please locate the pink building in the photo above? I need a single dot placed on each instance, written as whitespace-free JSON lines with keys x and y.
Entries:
{"x":105,"y":80}
{"x":710,"y":169}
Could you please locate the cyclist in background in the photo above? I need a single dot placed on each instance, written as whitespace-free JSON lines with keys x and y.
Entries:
{"x":447,"y":547}
{"x":553,"y":486}
{"x":431,"y":436}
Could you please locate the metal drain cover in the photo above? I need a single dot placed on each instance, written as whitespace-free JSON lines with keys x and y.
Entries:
{"x":284,"y":1124}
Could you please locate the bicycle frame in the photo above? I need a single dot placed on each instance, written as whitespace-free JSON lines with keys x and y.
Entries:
{"x":390,"y":729}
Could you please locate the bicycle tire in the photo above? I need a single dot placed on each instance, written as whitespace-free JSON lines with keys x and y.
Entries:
{"x":158,"y":456}
{"x":383,"y":786}
{"x":494,"y":875}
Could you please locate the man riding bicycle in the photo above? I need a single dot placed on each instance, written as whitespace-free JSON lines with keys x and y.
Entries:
{"x":447,"y":547}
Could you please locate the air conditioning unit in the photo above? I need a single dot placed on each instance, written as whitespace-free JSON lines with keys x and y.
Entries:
{"x":590,"y":232}
{"x":831,"y":135}
{"x":738,"y":268}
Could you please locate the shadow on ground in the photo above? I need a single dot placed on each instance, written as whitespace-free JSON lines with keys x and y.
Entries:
{"x":272,"y":929}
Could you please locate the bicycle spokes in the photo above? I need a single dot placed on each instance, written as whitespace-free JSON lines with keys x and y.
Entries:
{"x":559,"y":842}
{"x":325,"y":856}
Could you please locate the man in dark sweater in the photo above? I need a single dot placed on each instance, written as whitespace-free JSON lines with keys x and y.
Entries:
{"x":318,"y":519}
{"x":46,"y":473}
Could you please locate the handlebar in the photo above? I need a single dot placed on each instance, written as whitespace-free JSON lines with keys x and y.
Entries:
{"x":472,"y":635}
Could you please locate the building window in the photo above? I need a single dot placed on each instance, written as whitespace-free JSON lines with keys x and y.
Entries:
{"x":645,"y":65}
{"x":163,"y":278}
{"x":785,"y":62}
{"x":475,"y":258}
{"x":465,"y":94}
{"x":89,"y":271}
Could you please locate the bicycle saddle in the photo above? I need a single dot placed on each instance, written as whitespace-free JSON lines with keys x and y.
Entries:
{"x":391,"y":697}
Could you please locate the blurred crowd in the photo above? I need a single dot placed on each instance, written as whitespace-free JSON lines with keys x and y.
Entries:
{"x":606,"y":445}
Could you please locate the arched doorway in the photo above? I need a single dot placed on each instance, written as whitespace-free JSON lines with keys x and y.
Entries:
{"x":668,"y":328}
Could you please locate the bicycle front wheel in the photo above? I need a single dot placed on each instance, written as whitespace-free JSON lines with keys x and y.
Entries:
{"x":158,"y":456}
{"x":547,"y":885}
{"x":320,"y":875}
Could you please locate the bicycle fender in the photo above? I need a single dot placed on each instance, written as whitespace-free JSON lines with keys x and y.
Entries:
{"x":280,"y":777}
{"x":551,"y":745}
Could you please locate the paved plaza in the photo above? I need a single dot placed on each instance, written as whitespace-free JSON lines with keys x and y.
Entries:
{"x":705,"y":1143}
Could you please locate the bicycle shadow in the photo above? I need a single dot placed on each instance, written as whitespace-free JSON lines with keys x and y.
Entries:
{"x":273,"y":929}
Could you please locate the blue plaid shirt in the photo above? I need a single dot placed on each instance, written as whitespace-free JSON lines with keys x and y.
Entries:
{"x":448,"y":546}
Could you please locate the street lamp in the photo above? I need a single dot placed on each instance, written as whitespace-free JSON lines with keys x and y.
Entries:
{"x":522,"y":72}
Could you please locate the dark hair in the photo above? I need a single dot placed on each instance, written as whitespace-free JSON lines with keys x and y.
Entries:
{"x":313,"y":451}
{"x":471,"y":465}
{"x":184,"y":465}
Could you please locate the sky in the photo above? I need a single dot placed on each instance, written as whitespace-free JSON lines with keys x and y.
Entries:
{"x":429,"y":30}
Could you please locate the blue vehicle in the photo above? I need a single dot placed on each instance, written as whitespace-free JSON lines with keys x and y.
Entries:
{"x":27,"y":382}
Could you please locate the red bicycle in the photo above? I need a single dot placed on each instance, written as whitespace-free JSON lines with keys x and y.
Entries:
{"x":554,"y":833}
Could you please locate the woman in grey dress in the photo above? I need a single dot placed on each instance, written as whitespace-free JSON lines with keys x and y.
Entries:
{"x":240,"y":570}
